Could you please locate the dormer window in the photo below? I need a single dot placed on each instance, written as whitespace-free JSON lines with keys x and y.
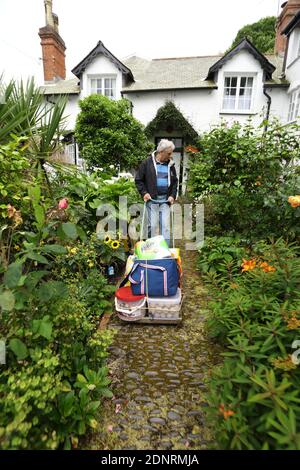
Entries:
{"x":238,"y":92}
{"x":103,"y":85}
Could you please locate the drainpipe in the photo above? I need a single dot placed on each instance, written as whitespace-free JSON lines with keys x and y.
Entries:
{"x":268,"y":109}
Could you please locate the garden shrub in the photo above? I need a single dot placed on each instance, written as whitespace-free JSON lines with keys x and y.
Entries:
{"x":247,"y":175}
{"x":108,"y":134}
{"x":255,"y":312}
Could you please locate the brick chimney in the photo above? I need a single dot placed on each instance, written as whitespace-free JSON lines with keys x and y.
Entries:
{"x":53,"y":47}
{"x":289,"y":9}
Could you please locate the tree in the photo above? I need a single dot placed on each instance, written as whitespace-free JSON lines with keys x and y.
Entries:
{"x":108,"y":134}
{"x":25,"y":113}
{"x":261,"y":34}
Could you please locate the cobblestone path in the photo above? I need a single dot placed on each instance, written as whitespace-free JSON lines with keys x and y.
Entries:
{"x":158,"y":374}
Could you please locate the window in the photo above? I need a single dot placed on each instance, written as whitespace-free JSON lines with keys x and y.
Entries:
{"x":104,"y":86}
{"x":294,"y":106}
{"x":237,"y":93}
{"x":294,"y":47}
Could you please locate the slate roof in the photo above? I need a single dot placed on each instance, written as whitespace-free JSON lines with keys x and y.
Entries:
{"x":100,"y":49}
{"x":186,"y":73}
{"x":172,"y":74}
{"x":62,"y":87}
{"x":246,"y":45}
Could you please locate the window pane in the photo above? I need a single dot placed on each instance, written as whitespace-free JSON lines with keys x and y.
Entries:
{"x":297,"y":107}
{"x":233,"y":81}
{"x":245,"y":93}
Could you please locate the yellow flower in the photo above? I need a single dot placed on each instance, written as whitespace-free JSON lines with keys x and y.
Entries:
{"x":233,"y":285}
{"x":90,"y":263}
{"x":294,"y":200}
{"x":107,"y":240}
{"x":74,"y":250}
{"x":115,"y":244}
{"x":17,"y":247}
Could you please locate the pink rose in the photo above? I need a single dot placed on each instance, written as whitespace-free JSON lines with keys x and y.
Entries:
{"x":63,"y":203}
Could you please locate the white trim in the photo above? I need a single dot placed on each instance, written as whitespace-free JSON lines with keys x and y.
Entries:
{"x":294,"y":106}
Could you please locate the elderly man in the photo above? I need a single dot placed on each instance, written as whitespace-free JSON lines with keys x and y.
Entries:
{"x":156,"y":179}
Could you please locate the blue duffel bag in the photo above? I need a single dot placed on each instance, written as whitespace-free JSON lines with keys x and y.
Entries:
{"x":154,"y":278}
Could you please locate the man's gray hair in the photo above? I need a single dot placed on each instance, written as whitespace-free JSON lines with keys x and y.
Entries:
{"x":165,"y":144}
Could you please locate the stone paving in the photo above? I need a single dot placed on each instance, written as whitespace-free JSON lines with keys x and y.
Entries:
{"x":158,"y":379}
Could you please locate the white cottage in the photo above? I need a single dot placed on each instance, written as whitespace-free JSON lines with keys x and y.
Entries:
{"x":236,"y":86}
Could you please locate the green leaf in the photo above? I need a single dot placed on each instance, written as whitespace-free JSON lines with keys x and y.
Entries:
{"x":107,"y":393}
{"x":70,"y":230}
{"x":66,"y":404}
{"x":52,"y":289}
{"x":81,"y":378}
{"x":7,"y":300}
{"x":81,"y":428}
{"x":18,"y":348}
{"x":82,"y":234}
{"x":12,"y":275}
{"x":37,"y":257}
{"x":57,"y":249}
{"x":33,"y":278}
{"x":95,"y":203}
{"x":34,"y":192}
{"x":43,"y":327}
{"x":39,"y":214}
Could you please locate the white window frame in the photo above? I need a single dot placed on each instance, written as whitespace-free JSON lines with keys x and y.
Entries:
{"x":294,"y":47}
{"x":102,"y":89}
{"x":239,"y":76}
{"x":294,"y":106}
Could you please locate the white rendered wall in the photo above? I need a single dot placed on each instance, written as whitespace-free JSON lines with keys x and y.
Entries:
{"x":293,"y":62}
{"x":101,"y":66}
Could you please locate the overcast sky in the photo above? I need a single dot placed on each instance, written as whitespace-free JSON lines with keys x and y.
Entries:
{"x":148,"y":28}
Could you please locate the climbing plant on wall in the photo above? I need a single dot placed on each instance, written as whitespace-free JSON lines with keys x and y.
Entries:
{"x":169,"y":118}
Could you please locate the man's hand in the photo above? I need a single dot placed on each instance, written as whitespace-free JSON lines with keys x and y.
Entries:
{"x":147,"y":197}
{"x":171,"y":200}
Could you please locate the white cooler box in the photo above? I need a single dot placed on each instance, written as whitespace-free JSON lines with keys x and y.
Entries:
{"x":165,"y":307}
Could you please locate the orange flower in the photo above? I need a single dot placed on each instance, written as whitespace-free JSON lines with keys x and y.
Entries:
{"x":248,"y":265}
{"x":191,"y":149}
{"x":12,"y":213}
{"x":226,"y":413}
{"x":267,"y":268}
{"x":11,"y":210}
{"x":294,"y":200}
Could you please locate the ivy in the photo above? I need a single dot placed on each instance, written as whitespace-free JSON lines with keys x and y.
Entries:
{"x":169,"y":118}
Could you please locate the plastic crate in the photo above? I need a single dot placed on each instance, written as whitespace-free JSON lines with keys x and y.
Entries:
{"x":168,"y":308}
